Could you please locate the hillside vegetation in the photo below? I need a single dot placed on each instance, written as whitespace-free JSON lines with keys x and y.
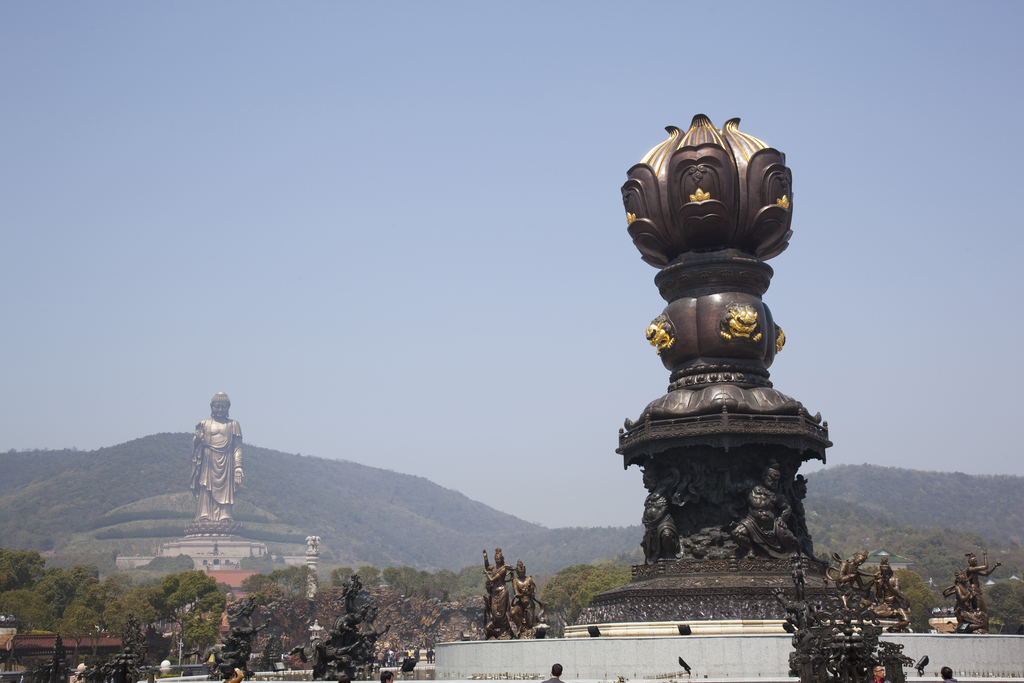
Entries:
{"x":130,"y":498}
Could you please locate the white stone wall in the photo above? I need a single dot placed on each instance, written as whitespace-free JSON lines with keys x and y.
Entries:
{"x":715,"y":657}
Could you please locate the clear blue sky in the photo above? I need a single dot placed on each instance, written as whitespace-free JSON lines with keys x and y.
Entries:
{"x":393,"y":233}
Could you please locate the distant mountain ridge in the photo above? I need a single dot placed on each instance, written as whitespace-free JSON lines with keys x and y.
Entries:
{"x":991,"y":506}
{"x":130,"y":498}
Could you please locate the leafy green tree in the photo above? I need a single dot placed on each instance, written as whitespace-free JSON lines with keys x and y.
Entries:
{"x":1005,"y":602}
{"x":138,"y":601}
{"x":606,"y":577}
{"x":262,"y":589}
{"x":188,"y":595}
{"x":470,"y":581}
{"x":369,"y":575}
{"x":920,"y":596}
{"x":404,"y":580}
{"x":79,"y":622}
{"x":572,"y":589}
{"x":293,"y":581}
{"x":61,"y":587}
{"x":559,"y":592}
{"x":20,"y":569}
{"x":442,"y":585}
{"x":30,"y":607}
{"x":341,"y":575}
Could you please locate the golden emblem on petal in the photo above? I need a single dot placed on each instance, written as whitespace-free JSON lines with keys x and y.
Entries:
{"x":700,"y":196}
{"x":630,"y":217}
{"x":780,"y":339}
{"x":659,"y":333}
{"x":784,"y":202}
{"x":740,"y":321}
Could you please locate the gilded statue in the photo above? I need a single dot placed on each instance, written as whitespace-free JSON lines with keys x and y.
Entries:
{"x":892,"y":603}
{"x":970,"y":607}
{"x":216,"y":462}
{"x":497,"y":627}
{"x":849,"y":574}
{"x":974,"y":572}
{"x":523,"y":613}
{"x":661,"y":540}
{"x":764,"y":528}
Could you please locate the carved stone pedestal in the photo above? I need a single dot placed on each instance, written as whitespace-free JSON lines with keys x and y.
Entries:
{"x":702,"y":590}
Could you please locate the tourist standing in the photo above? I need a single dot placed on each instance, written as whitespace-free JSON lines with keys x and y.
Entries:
{"x":556,"y":671}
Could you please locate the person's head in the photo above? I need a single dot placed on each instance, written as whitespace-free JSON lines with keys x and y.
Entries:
{"x":860,"y":557}
{"x":220,"y":404}
{"x":343,"y":678}
{"x":520,"y":569}
{"x":556,"y":670}
{"x":883,"y":567}
{"x":499,"y":558}
{"x":946,"y":672}
{"x":972,"y":559}
{"x":879,"y":672}
{"x":386,"y":677}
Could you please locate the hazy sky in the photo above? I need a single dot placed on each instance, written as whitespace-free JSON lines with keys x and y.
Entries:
{"x":393,"y":232}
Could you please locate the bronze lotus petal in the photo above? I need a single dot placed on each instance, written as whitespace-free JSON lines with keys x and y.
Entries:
{"x":709,"y":189}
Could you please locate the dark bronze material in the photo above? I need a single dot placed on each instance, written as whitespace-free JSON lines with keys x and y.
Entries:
{"x":349,"y":645}
{"x":236,"y":649}
{"x":835,"y":639}
{"x":126,"y":665}
{"x":970,"y":610}
{"x":216,"y":470}
{"x":524,"y":604}
{"x":496,"y":604}
{"x":721,"y":450}
{"x":891,"y":602}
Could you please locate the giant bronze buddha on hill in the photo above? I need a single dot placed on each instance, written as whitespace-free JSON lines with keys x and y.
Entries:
{"x":721,"y":450}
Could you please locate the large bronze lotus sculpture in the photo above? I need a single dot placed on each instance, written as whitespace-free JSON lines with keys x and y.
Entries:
{"x":720,"y":451}
{"x":709,"y":189}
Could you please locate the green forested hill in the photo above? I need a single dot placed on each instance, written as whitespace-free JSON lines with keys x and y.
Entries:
{"x":991,"y":506}
{"x":131,"y":497}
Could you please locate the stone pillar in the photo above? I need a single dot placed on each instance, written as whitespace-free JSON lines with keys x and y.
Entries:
{"x":312,"y":559}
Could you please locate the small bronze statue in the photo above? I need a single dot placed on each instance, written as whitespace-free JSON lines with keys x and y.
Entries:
{"x":974,"y":572}
{"x":849,"y":578}
{"x":762,"y":530}
{"x":523,"y":613}
{"x":892,"y":603}
{"x":661,"y":541}
{"x":349,"y":644}
{"x":970,"y":608}
{"x":497,"y":627}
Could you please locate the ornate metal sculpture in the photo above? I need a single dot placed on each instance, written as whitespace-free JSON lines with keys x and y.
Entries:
{"x":349,"y":643}
{"x":762,"y":528}
{"x":891,"y":603}
{"x":970,"y":610}
{"x":126,"y":665}
{"x":524,"y":601}
{"x":722,"y":448}
{"x":835,"y":640}
{"x":496,"y":610}
{"x":216,"y":470}
{"x":236,"y":649}
{"x":54,"y":670}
